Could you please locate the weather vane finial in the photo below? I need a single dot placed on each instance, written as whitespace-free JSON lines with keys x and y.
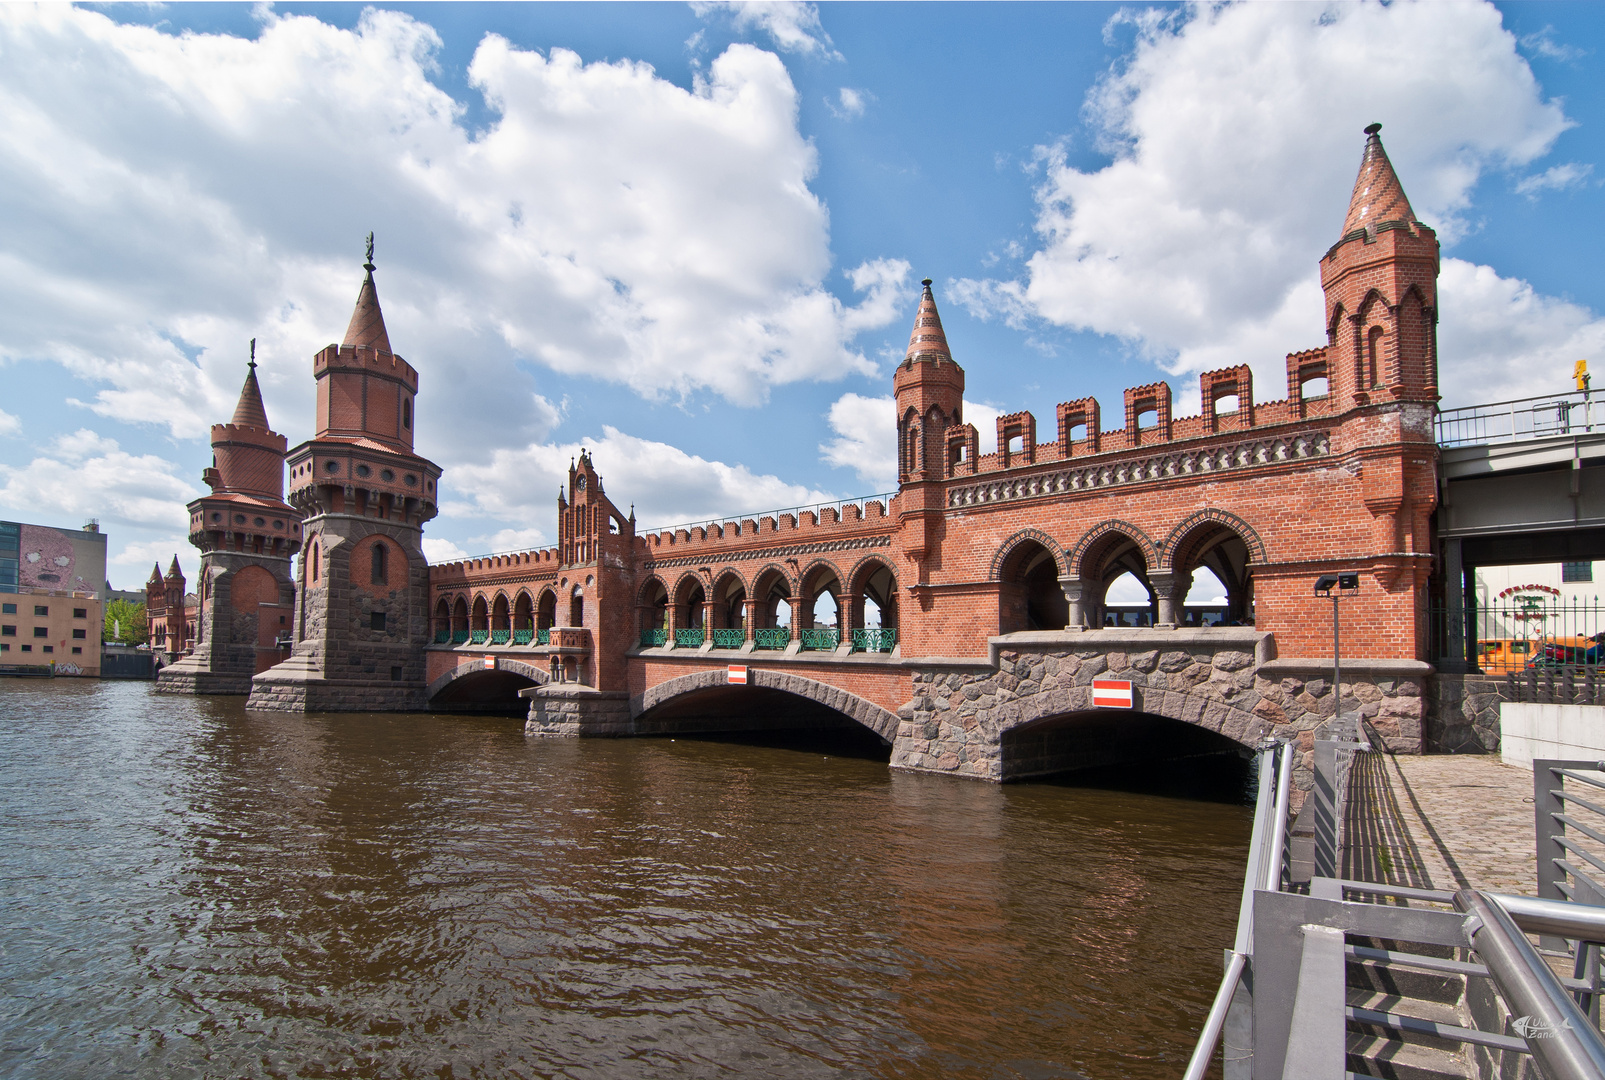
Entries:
{"x":368,"y":266}
{"x":253,"y":354}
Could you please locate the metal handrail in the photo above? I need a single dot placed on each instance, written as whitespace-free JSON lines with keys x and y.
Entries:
{"x":1264,"y":872}
{"x":1566,"y":1044}
{"x":1513,"y":421}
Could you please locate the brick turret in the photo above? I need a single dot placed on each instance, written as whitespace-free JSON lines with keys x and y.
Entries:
{"x":361,"y":614}
{"x":929,"y":390}
{"x":1380,"y":280}
{"x":247,"y":534}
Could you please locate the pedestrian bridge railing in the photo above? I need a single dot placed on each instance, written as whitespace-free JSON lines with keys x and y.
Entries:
{"x":1524,"y":418}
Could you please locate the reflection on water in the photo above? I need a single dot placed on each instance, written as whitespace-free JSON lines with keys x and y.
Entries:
{"x":197,"y":891}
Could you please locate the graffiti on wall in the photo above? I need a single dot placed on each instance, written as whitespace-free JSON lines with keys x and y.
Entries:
{"x":48,"y":560}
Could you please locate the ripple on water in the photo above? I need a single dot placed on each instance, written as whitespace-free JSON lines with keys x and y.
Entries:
{"x":198,"y":891}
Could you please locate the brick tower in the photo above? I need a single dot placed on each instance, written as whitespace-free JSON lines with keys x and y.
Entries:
{"x":247,"y":535}
{"x":362,"y":593}
{"x":929,"y":391}
{"x":165,"y":611}
{"x":1381,"y":363}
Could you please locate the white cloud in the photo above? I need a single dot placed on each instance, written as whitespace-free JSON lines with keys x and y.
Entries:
{"x":866,"y":436}
{"x":136,"y":557}
{"x":1557,"y":178}
{"x":169,"y":197}
{"x":849,"y":103}
{"x":794,"y":27}
{"x":9,"y":425}
{"x":84,"y":475}
{"x":1233,"y":162}
{"x":1504,"y":340}
{"x":668,"y":484}
{"x":437,"y":550}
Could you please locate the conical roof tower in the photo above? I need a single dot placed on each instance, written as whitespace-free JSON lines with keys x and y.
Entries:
{"x":929,"y":389}
{"x":1378,"y":195}
{"x":250,"y":411}
{"x":927,"y":341}
{"x":367,"y":327}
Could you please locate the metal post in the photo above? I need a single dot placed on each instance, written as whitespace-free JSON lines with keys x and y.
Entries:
{"x":1454,"y":595}
{"x":1337,"y":672}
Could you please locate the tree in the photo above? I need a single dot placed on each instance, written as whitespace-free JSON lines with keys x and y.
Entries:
{"x":129,"y":618}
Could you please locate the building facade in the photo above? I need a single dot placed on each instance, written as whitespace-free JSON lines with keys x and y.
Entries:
{"x":51,"y":609}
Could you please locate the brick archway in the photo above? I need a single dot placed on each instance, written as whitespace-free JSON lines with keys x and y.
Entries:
{"x":477,"y":667}
{"x":1240,"y":725}
{"x":855,"y":708}
{"x":1213,"y":515}
{"x":1150,"y":552}
{"x":1007,"y":548}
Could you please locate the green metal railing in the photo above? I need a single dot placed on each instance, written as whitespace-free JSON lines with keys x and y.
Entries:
{"x":442,"y":636}
{"x":500,"y":637}
{"x":543,"y":636}
{"x":479,"y":637}
{"x":459,"y":637}
{"x":772,"y":638}
{"x":689,"y":639}
{"x":729,"y":639}
{"x":874,"y":640}
{"x":817,"y":639}
{"x":523,"y":637}
{"x":651,"y":639}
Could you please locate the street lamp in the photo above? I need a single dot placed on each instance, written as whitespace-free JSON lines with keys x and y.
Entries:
{"x":1336,"y":586}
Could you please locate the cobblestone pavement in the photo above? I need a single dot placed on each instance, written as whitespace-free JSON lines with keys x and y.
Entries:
{"x":1441,"y":821}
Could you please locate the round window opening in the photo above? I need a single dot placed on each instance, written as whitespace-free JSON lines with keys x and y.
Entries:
{"x":412,"y":481}
{"x":332,"y":466}
{"x":259,"y":522}
{"x":363,"y":470}
{"x":277,"y":524}
{"x":217,"y":517}
{"x":239,"y":519}
{"x":387,"y":476}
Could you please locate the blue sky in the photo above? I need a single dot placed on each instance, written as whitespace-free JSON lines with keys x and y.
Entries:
{"x":690,"y":237}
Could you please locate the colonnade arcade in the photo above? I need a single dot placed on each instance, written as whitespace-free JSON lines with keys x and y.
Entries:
{"x":780,"y":604}
{"x":1047,"y":586}
{"x":495,"y":618}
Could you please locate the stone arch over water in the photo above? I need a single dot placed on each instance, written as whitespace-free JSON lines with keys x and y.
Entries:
{"x":705,"y":701}
{"x":473,"y":688}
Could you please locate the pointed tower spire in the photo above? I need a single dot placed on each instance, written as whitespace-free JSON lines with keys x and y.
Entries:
{"x":1378,"y":195}
{"x":173,"y":571}
{"x":155,"y":574}
{"x":367,"y":327}
{"x":250,"y":412}
{"x":927,"y":341}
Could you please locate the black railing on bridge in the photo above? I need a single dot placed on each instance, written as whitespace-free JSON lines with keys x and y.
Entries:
{"x":1544,"y":417}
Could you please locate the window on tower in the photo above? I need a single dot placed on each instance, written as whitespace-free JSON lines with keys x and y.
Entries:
{"x":406,"y":413}
{"x":381,"y":568}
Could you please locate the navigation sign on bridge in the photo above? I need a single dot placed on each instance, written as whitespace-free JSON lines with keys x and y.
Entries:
{"x":1111,"y":693}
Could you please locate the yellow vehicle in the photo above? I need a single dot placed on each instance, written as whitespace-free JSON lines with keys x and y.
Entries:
{"x":1500,"y":656}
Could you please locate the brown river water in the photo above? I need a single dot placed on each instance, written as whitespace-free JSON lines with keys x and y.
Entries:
{"x":191,"y":890}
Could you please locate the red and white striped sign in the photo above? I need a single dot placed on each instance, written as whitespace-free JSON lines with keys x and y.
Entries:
{"x":490,"y":663}
{"x":1111,"y":693}
{"x":736,"y":673}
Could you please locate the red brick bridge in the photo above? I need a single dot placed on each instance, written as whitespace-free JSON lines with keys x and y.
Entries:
{"x":964,"y":618}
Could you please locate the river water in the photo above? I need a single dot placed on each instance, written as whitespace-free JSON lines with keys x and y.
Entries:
{"x":192,"y":890}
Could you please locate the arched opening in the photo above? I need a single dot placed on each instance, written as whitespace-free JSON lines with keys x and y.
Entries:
{"x":1111,"y":556}
{"x":689,"y":612}
{"x":1219,"y":551}
{"x":821,"y":628}
{"x":479,"y":626}
{"x":1031,"y":597}
{"x":1127,"y":749}
{"x":773,"y":610}
{"x":1373,"y":357}
{"x":546,"y":611}
{"x":763,"y":716}
{"x":654,"y":613}
{"x":315,"y":548}
{"x":576,"y":607}
{"x":379,"y":563}
{"x":523,"y":613}
{"x":459,"y":621}
{"x":501,"y":621}
{"x":481,"y":691}
{"x":729,"y":611}
{"x":442,"y":622}
{"x":1128,"y":602}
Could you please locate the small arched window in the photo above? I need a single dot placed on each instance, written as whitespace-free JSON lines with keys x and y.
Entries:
{"x":406,"y":413}
{"x":1373,"y":357}
{"x":314,"y":562}
{"x":381,"y":564}
{"x":576,"y":607}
